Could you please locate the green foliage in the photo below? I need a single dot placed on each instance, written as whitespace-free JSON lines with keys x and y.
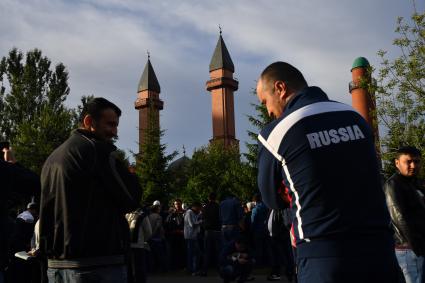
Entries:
{"x":84,"y":100}
{"x":122,"y":156}
{"x":151,"y":165}
{"x":179,"y":171}
{"x":259,"y":121}
{"x":214,"y":168}
{"x":400,"y":91}
{"x":33,"y":116}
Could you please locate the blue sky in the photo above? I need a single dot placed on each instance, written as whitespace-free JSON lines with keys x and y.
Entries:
{"x":103,"y":44}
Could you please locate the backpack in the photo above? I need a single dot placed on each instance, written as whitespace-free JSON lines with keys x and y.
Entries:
{"x":134,"y":220}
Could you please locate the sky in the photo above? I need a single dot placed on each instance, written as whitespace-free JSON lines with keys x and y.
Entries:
{"x":104,"y":44}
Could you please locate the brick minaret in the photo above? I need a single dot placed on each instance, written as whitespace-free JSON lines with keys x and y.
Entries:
{"x":222,"y":85}
{"x":363,"y":101}
{"x":148,"y":102}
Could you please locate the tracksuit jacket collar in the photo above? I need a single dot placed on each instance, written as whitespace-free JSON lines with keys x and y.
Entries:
{"x":306,"y":96}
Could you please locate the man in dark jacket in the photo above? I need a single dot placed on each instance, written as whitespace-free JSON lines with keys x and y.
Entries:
{"x":14,"y":179}
{"x":324,"y":152}
{"x":174,"y":226}
{"x":86,"y":192}
{"x":405,"y":200}
{"x":259,"y":218}
{"x":231,"y":213}
{"x":212,"y":236}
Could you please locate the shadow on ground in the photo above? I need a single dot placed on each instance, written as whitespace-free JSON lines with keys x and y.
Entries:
{"x":182,"y":277}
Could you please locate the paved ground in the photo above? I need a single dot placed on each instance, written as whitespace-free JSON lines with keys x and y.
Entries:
{"x":181,"y":277}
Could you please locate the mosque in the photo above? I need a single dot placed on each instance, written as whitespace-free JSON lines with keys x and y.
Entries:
{"x":222,"y":85}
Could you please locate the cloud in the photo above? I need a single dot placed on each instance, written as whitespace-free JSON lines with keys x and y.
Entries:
{"x":103,"y":43}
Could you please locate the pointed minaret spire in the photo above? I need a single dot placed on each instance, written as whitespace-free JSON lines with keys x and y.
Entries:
{"x":148,"y":81}
{"x":222,"y":85}
{"x":221,"y":57}
{"x":148,"y":102}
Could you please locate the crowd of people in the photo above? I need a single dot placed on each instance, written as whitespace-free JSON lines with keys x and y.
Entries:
{"x":170,"y":238}
{"x":322,"y":212}
{"x":203,"y":236}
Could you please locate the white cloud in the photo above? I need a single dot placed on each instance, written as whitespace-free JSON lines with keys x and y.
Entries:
{"x":103,"y":43}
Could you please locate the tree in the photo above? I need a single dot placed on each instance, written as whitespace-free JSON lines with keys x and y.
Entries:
{"x":179,"y":171}
{"x":400,"y":91}
{"x":259,"y":121}
{"x":151,"y":165}
{"x":33,"y":116}
{"x":84,"y":100}
{"x":214,"y":168}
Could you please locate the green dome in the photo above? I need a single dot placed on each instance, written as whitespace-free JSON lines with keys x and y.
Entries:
{"x":360,"y":62}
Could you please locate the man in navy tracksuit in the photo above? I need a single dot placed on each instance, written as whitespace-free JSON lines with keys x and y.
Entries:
{"x":323,"y":152}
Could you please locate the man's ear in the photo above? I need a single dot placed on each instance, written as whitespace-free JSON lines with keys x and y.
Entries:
{"x":281,"y":89}
{"x":396,"y":162}
{"x":88,"y":122}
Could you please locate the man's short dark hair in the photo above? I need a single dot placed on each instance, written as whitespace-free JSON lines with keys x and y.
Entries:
{"x":410,"y":150}
{"x":196,"y":204}
{"x":95,"y":106}
{"x":282,"y":71}
{"x":257,"y":198}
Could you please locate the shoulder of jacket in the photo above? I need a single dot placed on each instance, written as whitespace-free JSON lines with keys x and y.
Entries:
{"x":395,"y":182}
{"x":394,"y":179}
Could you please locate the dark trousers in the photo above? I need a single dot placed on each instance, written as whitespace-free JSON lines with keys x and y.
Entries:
{"x":139,"y":269}
{"x":348,"y":269}
{"x":233,"y":271}
{"x":19,"y":271}
{"x":177,"y":248}
{"x":32,"y":270}
{"x":229,"y":234}
{"x":262,"y":248}
{"x":281,"y":254}
{"x":158,"y":255}
{"x":212,"y":247}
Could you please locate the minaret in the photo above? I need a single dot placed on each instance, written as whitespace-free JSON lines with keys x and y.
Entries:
{"x":148,"y":102}
{"x":363,"y":101}
{"x":222,"y":85}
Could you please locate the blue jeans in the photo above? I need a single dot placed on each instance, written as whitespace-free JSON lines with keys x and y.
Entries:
{"x":411,"y":265}
{"x":1,"y":277}
{"x":193,"y":254}
{"x":104,"y":274}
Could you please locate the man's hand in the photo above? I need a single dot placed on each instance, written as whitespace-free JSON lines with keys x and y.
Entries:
{"x":8,"y":155}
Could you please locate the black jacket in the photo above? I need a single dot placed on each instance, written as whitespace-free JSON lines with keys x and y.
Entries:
{"x":14,"y":179}
{"x":85,"y":193}
{"x":407,"y":210}
{"x":211,"y":214}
